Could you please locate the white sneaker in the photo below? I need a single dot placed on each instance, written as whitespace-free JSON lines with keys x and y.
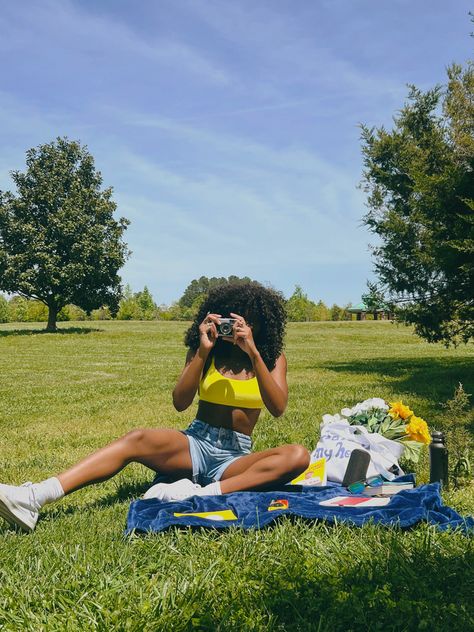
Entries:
{"x":172,"y":491}
{"x":18,"y":506}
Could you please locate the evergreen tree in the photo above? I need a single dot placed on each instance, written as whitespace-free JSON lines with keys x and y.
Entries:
{"x":146,"y":304}
{"x":419,"y":177}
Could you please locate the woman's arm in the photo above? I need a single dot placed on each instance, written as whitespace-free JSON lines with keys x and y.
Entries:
{"x":187,"y":385}
{"x":185,"y":389}
{"x":273,"y":385}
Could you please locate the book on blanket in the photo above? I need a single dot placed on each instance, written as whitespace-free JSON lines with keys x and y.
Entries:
{"x":354,"y":501}
{"x":314,"y":474}
{"x":388,"y":488}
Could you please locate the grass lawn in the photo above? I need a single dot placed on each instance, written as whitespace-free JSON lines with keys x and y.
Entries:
{"x":64,"y":395}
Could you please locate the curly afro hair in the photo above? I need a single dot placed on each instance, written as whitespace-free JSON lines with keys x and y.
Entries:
{"x":257,"y":304}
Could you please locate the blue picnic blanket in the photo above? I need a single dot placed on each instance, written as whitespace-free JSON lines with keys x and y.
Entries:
{"x":254,"y":510}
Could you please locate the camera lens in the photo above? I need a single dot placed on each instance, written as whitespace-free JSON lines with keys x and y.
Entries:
{"x":226,"y":329}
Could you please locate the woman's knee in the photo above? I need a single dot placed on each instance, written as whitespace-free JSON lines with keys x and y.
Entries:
{"x":135,"y":437}
{"x":297,"y":457}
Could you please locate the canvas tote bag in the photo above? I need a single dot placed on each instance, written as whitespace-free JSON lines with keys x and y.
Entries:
{"x":339,"y":438}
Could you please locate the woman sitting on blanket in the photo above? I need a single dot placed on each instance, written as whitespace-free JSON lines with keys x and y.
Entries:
{"x":237,"y":367}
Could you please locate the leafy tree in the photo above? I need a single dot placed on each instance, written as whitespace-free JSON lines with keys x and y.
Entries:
{"x":321,"y":311}
{"x":18,"y":309}
{"x":336,"y":312}
{"x":146,"y":304}
{"x":37,"y":312}
{"x":374,"y":300}
{"x":3,"y":309}
{"x":76,"y":313}
{"x":419,"y":177}
{"x":102,"y":313}
{"x":198,"y":288}
{"x":59,"y":241}
{"x":346,"y":315}
{"x":129,"y":308}
{"x":138,"y":306}
{"x":299,"y":307}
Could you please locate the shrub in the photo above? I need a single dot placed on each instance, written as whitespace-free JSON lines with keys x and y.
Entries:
{"x":3,"y":309}
{"x":17,"y":309}
{"x":458,"y":416}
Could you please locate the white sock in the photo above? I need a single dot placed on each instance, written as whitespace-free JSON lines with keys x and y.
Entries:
{"x":178,"y":490}
{"x":47,"y":491}
{"x":213,"y":489}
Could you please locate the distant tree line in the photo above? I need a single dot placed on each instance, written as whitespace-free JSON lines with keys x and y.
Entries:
{"x":141,"y":306}
{"x":302,"y":309}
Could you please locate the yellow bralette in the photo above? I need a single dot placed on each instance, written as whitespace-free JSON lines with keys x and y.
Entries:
{"x":218,"y":389}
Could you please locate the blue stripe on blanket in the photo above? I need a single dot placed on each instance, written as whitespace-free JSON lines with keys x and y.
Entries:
{"x":254,"y":510}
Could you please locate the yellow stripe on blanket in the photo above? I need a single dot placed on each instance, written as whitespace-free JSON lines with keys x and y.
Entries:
{"x":225,"y":514}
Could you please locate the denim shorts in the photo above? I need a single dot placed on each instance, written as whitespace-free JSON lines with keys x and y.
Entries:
{"x":214,"y":449}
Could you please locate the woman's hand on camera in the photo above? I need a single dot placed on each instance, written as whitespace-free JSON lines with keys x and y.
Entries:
{"x":243,"y":336}
{"x":208,"y":332}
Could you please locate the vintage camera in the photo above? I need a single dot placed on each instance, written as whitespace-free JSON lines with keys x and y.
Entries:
{"x":226,"y":327}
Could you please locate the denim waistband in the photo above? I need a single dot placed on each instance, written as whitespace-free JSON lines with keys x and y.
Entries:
{"x":218,"y":435}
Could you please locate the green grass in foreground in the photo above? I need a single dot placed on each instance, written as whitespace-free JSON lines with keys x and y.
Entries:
{"x":63,"y":395}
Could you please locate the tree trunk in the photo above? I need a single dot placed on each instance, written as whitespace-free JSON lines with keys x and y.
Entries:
{"x":52,"y":317}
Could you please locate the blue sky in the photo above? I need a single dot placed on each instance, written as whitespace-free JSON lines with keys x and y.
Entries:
{"x":229,"y":130}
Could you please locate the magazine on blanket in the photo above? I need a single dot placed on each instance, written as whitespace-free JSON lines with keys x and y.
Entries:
{"x":315,"y":475}
{"x":355,"y":501}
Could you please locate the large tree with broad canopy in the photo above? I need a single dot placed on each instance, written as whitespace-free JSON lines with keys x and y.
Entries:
{"x":59,"y":241}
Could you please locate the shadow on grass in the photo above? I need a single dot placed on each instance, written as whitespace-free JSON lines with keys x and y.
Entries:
{"x":62,"y":331}
{"x":393,"y":589}
{"x":124,"y":492}
{"x":425,"y":376}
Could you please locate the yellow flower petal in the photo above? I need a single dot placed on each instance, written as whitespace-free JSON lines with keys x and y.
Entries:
{"x":417,"y":430}
{"x":398,"y":409}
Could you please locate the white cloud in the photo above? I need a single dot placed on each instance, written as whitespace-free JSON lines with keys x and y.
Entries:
{"x":216,"y":199}
{"x":63,"y":27}
{"x":291,"y":55}
{"x":275,"y":214}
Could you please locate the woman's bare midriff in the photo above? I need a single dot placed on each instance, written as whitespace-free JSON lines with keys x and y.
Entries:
{"x":237,"y":419}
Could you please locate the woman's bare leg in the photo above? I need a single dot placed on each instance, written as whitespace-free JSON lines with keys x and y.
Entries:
{"x":277,"y":465}
{"x":163,"y":450}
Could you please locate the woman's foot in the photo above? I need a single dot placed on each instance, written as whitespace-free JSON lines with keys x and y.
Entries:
{"x":179,"y":490}
{"x":172,"y":491}
{"x":18,"y":506}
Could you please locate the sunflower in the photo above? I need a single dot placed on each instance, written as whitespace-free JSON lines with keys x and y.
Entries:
{"x":417,"y":430}
{"x":398,"y":409}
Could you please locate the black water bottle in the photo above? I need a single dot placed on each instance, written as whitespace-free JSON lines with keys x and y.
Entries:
{"x":438,"y":459}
